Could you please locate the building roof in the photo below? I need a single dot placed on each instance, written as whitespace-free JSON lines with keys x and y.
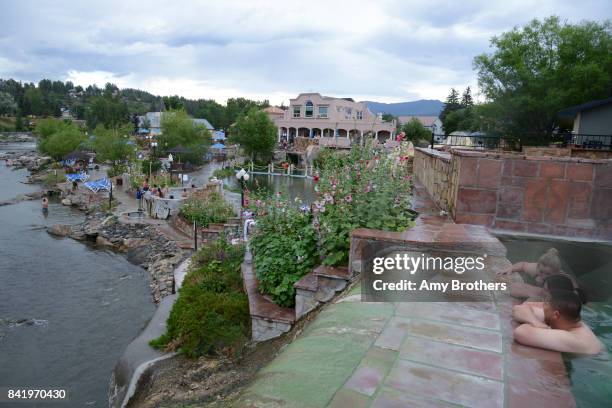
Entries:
{"x":573,"y":111}
{"x":204,"y":122}
{"x":425,"y":120}
{"x":154,"y":119}
{"x":274,"y":110}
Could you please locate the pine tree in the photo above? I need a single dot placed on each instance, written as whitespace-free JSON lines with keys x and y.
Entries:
{"x":451,"y":104}
{"x":466,"y":99}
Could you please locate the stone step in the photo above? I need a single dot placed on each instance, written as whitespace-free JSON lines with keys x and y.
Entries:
{"x":305,"y":294}
{"x":330,"y":280}
{"x":268,"y":320}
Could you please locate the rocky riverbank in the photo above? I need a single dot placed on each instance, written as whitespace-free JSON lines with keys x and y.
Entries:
{"x":143,"y":245}
{"x":38,"y":165}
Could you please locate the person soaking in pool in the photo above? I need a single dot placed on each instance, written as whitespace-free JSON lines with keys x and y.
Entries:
{"x":549,"y":264}
{"x":555,"y":324}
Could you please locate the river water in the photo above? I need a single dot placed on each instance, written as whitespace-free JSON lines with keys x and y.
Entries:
{"x":82,"y":306}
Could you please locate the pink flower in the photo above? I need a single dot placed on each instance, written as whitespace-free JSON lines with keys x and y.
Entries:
{"x":348,"y":198}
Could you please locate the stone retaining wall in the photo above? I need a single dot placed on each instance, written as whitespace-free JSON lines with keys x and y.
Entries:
{"x":563,"y":196}
{"x":209,"y":234}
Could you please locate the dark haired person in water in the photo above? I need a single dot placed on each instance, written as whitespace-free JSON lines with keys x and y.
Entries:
{"x":555,"y":324}
{"x":45,"y":205}
{"x":548,"y":264}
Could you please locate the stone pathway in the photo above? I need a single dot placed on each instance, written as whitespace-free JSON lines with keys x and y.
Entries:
{"x":409,"y":354}
{"x":414,"y":354}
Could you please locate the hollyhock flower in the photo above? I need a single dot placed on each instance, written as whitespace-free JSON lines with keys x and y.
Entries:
{"x":348,"y":198}
{"x":328,"y":198}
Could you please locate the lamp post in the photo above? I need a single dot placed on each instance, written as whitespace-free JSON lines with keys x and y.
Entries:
{"x":154,"y":145}
{"x":242,"y":176}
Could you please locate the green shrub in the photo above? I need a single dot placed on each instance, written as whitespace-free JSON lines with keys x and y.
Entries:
{"x":212,"y":209}
{"x":205,"y":322}
{"x":155,"y":166}
{"x":211,"y":315}
{"x":51,"y":179}
{"x":362,"y":189}
{"x":284,"y":249}
{"x":224,"y":173}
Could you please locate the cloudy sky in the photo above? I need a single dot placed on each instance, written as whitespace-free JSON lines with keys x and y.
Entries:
{"x":381,"y":50}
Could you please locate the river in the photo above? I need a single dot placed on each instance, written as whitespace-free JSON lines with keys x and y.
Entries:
{"x":82,"y":306}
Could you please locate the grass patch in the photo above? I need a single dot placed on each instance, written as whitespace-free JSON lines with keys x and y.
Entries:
{"x":211,"y":315}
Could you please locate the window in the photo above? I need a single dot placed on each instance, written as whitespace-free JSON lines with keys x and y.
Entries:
{"x":359,"y":115}
{"x":323,"y":111}
{"x":296,"y":111}
{"x":309,"y":109}
{"x":347,"y":113}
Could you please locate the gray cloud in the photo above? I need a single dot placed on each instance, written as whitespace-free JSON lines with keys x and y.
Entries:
{"x":388,"y":50}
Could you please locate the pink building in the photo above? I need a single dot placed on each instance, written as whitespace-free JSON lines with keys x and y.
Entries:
{"x":315,"y":116}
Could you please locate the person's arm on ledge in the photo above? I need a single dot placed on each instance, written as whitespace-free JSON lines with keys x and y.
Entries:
{"x":525,"y":290}
{"x":526,"y":313}
{"x":557,"y":340}
{"x":529,"y":268}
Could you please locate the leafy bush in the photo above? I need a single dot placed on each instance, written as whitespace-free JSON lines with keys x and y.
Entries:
{"x":363,"y":189}
{"x":284,"y":248}
{"x":212,"y":209}
{"x":224,"y":173}
{"x":116,"y":170}
{"x":211,"y":315}
{"x":152,"y":166}
{"x":51,"y":178}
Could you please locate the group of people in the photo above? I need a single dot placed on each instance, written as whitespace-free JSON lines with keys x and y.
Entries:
{"x":145,"y":191}
{"x":550,"y":316}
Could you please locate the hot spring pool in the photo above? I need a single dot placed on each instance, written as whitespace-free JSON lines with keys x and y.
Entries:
{"x":591,"y":264}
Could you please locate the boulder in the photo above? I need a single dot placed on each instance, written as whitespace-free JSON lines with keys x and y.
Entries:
{"x":139,"y":255}
{"x":129,"y":243}
{"x":67,"y":201}
{"x":59,"y":230}
{"x":103,"y":242}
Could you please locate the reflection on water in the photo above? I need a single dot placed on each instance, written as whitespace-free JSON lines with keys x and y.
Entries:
{"x":591,"y":264}
{"x":291,"y":187}
{"x":66,"y":311}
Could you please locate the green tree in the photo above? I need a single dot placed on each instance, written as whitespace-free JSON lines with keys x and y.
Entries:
{"x":45,"y":128}
{"x":8,"y":106}
{"x":64,"y":140}
{"x":179,"y":129}
{"x":415,"y":130}
{"x":108,"y":110}
{"x":466,"y":98}
{"x":173,"y":103}
{"x":387,"y":117}
{"x":536,"y":70}
{"x":112,"y":145}
{"x":256,"y":134}
{"x":33,"y":102}
{"x":237,"y":107}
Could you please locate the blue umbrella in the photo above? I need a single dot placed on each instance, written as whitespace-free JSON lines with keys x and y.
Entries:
{"x":218,"y":146}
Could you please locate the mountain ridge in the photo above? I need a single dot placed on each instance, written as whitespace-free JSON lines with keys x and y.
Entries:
{"x":422,"y":107}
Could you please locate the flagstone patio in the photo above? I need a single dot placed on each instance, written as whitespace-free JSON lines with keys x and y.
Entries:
{"x":414,"y":354}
